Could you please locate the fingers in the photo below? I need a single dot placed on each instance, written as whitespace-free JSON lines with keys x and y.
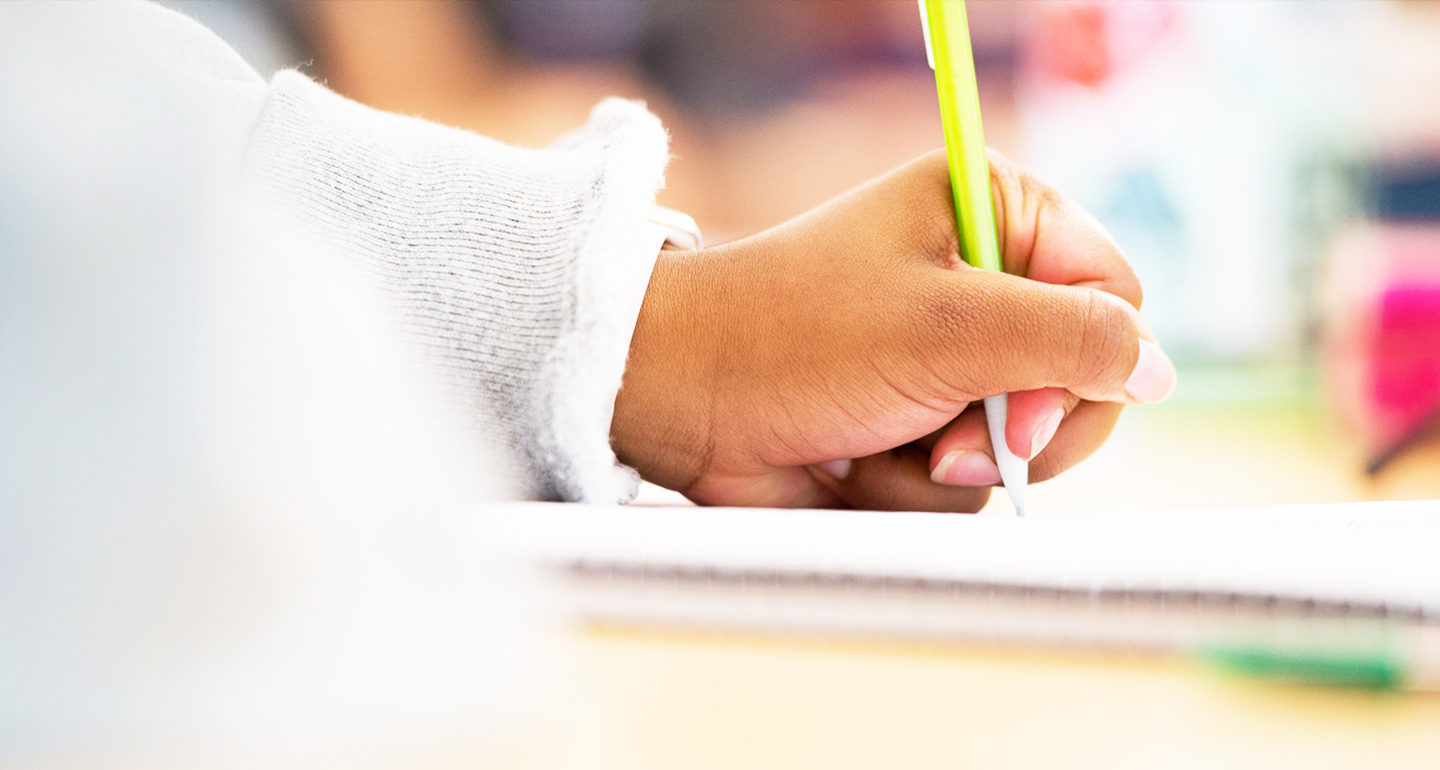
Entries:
{"x":989,"y":333}
{"x":1085,"y":426}
{"x":1045,"y":237}
{"x":899,"y":480}
{"x":787,"y":487}
{"x":1033,"y":418}
{"x":1083,"y":431}
{"x":960,"y":470}
{"x":962,"y":454}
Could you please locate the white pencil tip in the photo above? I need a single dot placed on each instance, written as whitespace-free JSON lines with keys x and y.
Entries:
{"x":1014,"y":472}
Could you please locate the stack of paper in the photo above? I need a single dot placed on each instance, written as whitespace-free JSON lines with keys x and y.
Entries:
{"x":1341,"y":578}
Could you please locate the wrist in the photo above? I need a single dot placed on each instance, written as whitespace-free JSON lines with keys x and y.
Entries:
{"x":663,"y":412}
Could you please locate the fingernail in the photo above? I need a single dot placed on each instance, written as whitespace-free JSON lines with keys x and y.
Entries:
{"x":1141,"y":325}
{"x":1154,"y":375}
{"x":1045,"y":432}
{"x":966,"y":468}
{"x":837,"y":468}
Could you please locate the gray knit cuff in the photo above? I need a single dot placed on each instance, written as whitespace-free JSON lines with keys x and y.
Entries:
{"x":518,"y":272}
{"x":615,"y":252}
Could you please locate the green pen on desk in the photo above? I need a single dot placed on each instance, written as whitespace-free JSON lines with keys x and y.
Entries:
{"x":947,"y":43}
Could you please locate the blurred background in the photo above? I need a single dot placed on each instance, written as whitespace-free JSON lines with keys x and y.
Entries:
{"x":1272,"y":169}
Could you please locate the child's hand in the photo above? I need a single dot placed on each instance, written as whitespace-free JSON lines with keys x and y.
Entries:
{"x":833,"y":361}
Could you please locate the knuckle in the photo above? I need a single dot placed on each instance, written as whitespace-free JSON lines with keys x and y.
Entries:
{"x":1119,"y":274}
{"x":1127,"y":286}
{"x":1027,"y":186}
{"x":1106,"y":341}
{"x":1045,"y":196}
{"x":1122,"y":280}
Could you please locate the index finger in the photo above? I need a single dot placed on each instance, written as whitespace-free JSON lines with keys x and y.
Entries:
{"x":1046,"y":237}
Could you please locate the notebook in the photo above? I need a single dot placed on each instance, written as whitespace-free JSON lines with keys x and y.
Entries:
{"x":1347,"y":593}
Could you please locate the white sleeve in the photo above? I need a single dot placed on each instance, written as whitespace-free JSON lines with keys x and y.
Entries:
{"x":177,"y":568}
{"x":519,"y":272}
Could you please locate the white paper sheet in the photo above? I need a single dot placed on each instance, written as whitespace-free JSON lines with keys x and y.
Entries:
{"x":1366,"y":553}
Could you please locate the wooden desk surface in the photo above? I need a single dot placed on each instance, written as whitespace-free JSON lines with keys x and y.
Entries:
{"x":696,"y":702}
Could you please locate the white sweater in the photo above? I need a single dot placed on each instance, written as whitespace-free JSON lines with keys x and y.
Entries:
{"x":254,"y":338}
{"x":519,"y":273}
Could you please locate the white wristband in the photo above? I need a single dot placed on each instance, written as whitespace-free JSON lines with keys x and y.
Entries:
{"x":677,"y":229}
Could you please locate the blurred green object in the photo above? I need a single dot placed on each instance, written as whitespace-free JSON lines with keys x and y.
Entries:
{"x":1365,"y":669}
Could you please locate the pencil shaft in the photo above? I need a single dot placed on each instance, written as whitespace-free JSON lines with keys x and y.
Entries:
{"x":949,"y":48}
{"x":964,"y":133}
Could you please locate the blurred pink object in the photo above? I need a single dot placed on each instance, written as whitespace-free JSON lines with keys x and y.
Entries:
{"x":1087,"y":42}
{"x":1384,"y":335}
{"x":1405,"y":355}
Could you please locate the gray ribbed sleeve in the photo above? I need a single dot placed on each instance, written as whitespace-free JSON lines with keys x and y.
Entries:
{"x":518,"y":272}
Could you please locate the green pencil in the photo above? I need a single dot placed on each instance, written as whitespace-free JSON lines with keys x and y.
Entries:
{"x":947,"y":41}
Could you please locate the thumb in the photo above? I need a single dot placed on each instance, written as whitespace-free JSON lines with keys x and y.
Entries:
{"x":1016,"y":334}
